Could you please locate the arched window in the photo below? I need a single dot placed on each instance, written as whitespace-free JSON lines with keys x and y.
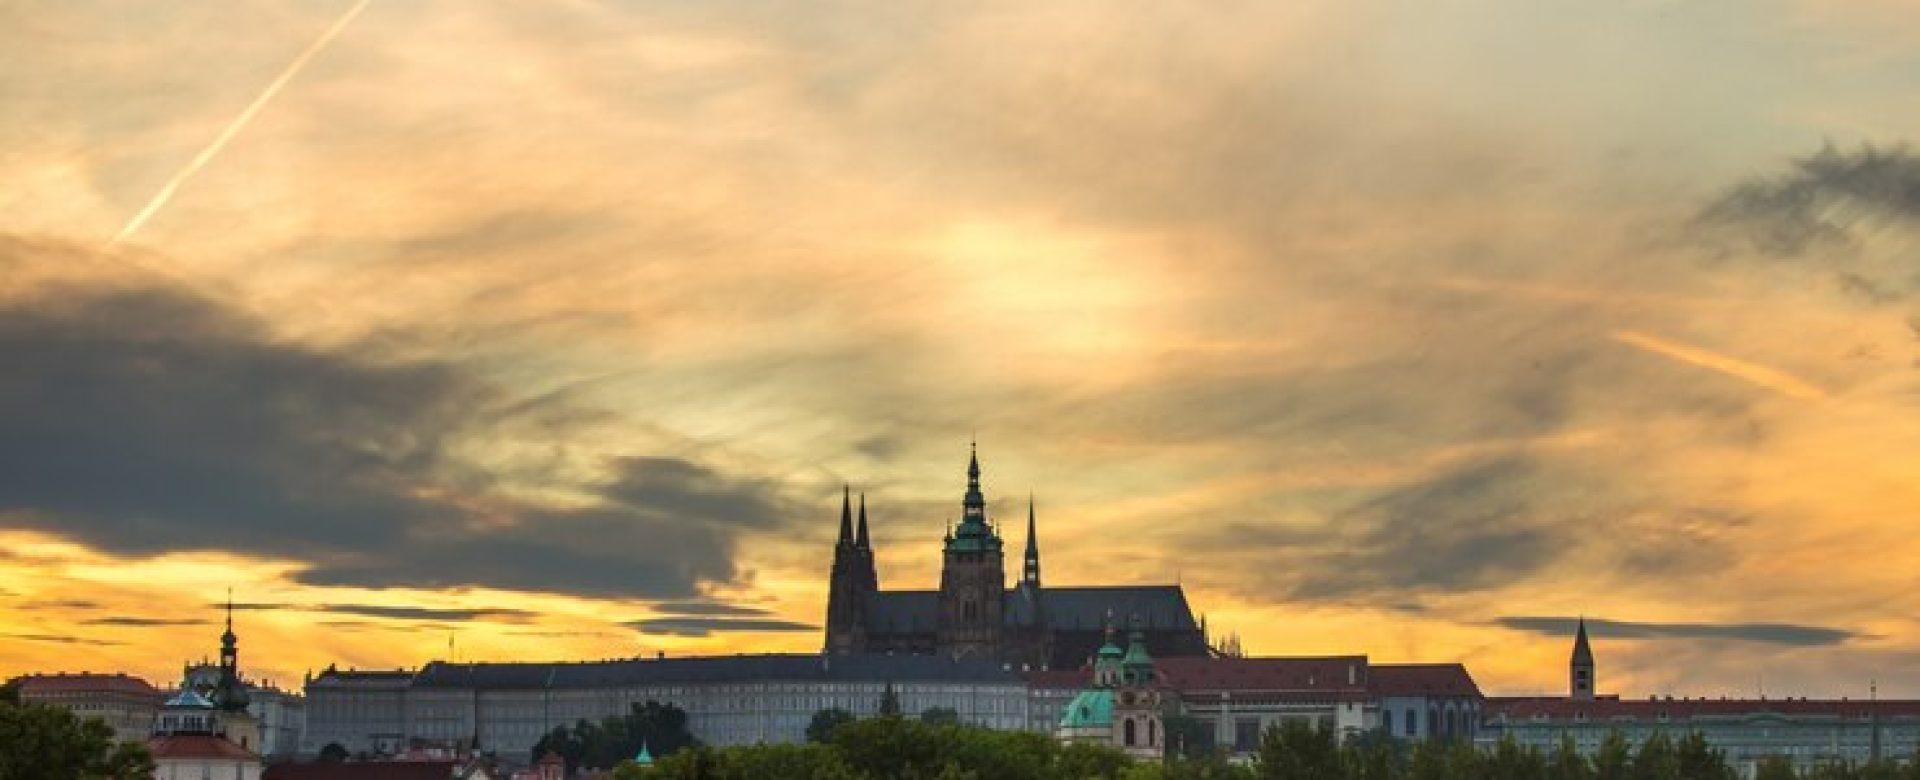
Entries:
{"x":1129,"y":730}
{"x":1449,"y":723}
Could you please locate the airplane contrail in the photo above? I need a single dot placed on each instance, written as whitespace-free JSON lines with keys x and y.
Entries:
{"x":1770,"y":378}
{"x":233,"y":128}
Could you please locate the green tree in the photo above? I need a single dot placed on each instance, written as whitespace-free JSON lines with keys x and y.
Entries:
{"x":1374,"y":755}
{"x":1428,"y":761}
{"x":1775,"y":768}
{"x":1295,"y":750}
{"x":1614,"y":761}
{"x":1567,"y":763}
{"x":940,"y":716}
{"x":41,"y":741}
{"x":1656,"y":759}
{"x":661,"y":727}
{"x":1510,"y":761}
{"x":1699,"y":760}
{"x":889,"y":702}
{"x":750,"y":762}
{"x":820,"y":728}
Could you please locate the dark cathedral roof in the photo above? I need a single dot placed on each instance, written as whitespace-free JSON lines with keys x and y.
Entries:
{"x":1156,"y":607}
{"x":903,"y":611}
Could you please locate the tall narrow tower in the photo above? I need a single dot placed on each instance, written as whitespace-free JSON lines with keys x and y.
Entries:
{"x":846,"y":596}
{"x":868,"y":578}
{"x":973,"y":583}
{"x":1030,"y":572}
{"x":1581,"y":667}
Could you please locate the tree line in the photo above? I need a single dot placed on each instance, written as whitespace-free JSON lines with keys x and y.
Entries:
{"x":44,"y":742}
{"x":899,"y":748}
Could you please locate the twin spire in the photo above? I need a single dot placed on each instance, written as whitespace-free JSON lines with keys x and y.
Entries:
{"x":849,"y":537}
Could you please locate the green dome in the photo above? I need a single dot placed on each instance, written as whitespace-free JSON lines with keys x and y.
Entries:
{"x":1093,"y":708}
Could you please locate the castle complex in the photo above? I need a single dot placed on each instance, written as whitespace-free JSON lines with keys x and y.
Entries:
{"x":975,"y":615}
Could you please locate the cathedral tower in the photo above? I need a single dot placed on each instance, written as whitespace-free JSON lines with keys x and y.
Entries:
{"x":1581,"y":667}
{"x":852,"y":582}
{"x":972,"y":579}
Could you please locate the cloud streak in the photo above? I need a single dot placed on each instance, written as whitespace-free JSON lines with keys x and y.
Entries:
{"x":1764,"y":377}
{"x":239,"y":122}
{"x":1771,"y":633}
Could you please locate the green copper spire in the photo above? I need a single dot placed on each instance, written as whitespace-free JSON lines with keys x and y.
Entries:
{"x":973,"y":534}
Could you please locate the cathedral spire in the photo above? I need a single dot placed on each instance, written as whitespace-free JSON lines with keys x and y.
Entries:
{"x":973,"y":507}
{"x":1030,"y":575}
{"x":846,"y":515}
{"x":862,"y":541}
{"x":1581,"y":665}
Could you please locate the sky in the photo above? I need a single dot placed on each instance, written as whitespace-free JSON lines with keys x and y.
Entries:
{"x":546,"y":331}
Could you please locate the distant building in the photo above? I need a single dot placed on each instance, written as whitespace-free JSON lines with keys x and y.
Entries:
{"x":1809,"y":732}
{"x":1121,"y":705}
{"x":974,"y":614}
{"x":190,"y":742}
{"x":362,"y":711}
{"x":280,"y":714}
{"x":729,"y":700}
{"x":1236,"y":700}
{"x":126,"y":704}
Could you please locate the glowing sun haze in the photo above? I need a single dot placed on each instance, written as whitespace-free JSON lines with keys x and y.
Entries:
{"x":554,"y":329}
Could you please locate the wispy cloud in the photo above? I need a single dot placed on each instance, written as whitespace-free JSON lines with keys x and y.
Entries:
{"x":1774,"y":633}
{"x":1753,"y":373}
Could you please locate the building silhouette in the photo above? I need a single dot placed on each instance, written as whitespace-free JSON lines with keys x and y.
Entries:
{"x":975,"y":614}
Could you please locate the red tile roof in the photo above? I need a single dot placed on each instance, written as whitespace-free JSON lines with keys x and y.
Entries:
{"x":196,"y":746}
{"x":1346,"y":673}
{"x":1422,"y":680}
{"x":1609,"y":708}
{"x":362,"y":770}
{"x":1325,"y":674}
{"x":31,"y":685}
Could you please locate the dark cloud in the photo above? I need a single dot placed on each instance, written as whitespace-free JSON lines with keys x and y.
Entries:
{"x":142,"y":622}
{"x":705,"y":626}
{"x":1820,"y":199}
{"x":62,"y":639}
{"x":1775,"y":633}
{"x":61,"y":604}
{"x":1472,"y":529}
{"x":141,"y":417}
{"x":707,"y":608}
{"x":423,"y":613}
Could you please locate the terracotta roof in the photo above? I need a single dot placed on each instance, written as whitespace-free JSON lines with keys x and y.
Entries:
{"x":362,"y":770}
{"x":1317,"y":675}
{"x":1329,"y":674}
{"x":1422,"y":680}
{"x":1685,"y":709}
{"x":196,"y":746}
{"x":86,"y":683}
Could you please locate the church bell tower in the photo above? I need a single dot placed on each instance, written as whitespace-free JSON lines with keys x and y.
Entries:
{"x":972,"y":579}
{"x":1581,"y":682}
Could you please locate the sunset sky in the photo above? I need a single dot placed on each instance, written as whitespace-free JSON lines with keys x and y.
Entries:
{"x":553,"y":330}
